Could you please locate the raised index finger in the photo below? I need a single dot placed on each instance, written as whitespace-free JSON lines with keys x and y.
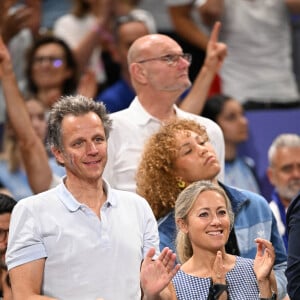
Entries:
{"x":214,"y":36}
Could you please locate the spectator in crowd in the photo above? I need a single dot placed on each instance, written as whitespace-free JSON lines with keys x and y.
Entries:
{"x":51,"y":70}
{"x":85,"y":29}
{"x":179,"y":154}
{"x":159,"y":74}
{"x":12,"y":172}
{"x":293,"y":262}
{"x":46,"y":253}
{"x":32,"y":148}
{"x":204,"y":218}
{"x":228,"y":113}
{"x":128,"y":28}
{"x":284,"y":174}
{"x":7,"y":203}
{"x":256,"y":46}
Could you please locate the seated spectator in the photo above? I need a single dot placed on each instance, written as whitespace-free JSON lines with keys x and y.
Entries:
{"x":204,"y":219}
{"x":12,"y":171}
{"x":179,"y":154}
{"x":284,"y":174}
{"x":128,"y":28}
{"x":7,"y":203}
{"x":228,"y":113}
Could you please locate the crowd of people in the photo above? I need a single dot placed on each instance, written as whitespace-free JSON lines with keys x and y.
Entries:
{"x":120,"y":172}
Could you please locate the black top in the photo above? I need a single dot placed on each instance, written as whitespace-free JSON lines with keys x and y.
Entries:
{"x":293,"y":261}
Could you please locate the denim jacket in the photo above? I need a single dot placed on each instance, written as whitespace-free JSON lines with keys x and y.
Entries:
{"x":253,"y":218}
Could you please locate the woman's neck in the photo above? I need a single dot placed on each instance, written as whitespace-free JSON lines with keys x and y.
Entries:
{"x":202,"y":264}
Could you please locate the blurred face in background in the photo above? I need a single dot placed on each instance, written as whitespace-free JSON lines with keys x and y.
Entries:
{"x":127,"y":33}
{"x":36,"y":112}
{"x":49,"y":68}
{"x":233,"y":122}
{"x":284,"y":172}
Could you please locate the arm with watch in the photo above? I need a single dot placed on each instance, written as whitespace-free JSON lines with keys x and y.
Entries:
{"x":263,"y":269}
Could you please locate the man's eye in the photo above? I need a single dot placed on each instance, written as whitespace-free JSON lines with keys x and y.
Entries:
{"x":169,"y":58}
{"x":78,"y":143}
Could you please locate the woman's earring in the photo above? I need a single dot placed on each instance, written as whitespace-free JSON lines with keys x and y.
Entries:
{"x":181,"y":184}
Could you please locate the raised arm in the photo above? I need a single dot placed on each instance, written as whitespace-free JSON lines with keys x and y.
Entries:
{"x":215,"y":55}
{"x":32,"y":148}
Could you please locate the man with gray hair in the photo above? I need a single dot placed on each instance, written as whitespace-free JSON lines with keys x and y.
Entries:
{"x":284,"y":174}
{"x":81,"y":239}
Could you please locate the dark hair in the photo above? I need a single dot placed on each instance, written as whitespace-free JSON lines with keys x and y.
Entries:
{"x":70,"y":83}
{"x":74,"y":105}
{"x":214,"y":106}
{"x":7,"y":204}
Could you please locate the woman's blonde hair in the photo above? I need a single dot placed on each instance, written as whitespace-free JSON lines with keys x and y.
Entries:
{"x":156,"y":179}
{"x":183,"y":206}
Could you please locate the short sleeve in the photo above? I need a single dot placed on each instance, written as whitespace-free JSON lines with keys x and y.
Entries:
{"x":25,"y":243}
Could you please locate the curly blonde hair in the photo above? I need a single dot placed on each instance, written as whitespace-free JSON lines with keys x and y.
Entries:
{"x":155,"y":177}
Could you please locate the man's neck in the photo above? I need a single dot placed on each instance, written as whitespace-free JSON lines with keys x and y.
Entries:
{"x":90,"y":193}
{"x":159,"y":106}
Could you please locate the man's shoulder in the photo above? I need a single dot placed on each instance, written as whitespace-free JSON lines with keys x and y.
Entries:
{"x":39,"y":199}
{"x":208,"y":123}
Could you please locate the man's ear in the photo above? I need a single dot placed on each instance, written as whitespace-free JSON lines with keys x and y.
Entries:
{"x":138,"y":73}
{"x":58,"y":155}
{"x":181,"y":224}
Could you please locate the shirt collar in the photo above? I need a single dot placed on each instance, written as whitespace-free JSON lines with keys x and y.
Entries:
{"x":72,"y":204}
{"x":142,"y":117}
